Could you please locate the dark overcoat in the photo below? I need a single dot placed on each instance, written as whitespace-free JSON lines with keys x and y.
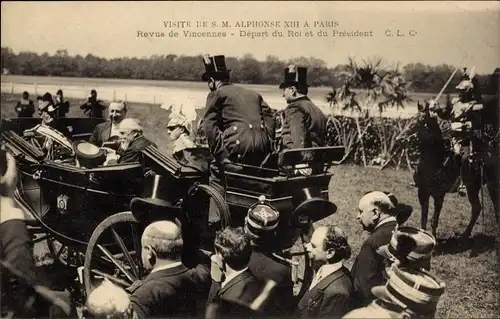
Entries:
{"x":332,"y":297}
{"x":304,"y":125}
{"x":368,"y":269}
{"x":101,"y":133}
{"x":238,"y":124}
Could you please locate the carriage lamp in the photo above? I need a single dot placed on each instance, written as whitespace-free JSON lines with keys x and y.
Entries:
{"x":62,"y":204}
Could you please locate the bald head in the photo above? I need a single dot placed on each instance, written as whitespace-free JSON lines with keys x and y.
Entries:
{"x":129,"y":125}
{"x":164,"y":238}
{"x":378,"y":200}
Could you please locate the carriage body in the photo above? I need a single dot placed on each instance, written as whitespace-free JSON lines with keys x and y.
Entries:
{"x":87,"y":210}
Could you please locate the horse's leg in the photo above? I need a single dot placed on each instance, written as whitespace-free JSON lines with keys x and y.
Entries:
{"x":423,"y":198}
{"x":473,"y":189}
{"x":493,"y":191}
{"x":438,"y":206}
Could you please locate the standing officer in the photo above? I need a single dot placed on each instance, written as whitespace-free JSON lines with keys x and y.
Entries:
{"x":93,"y":107}
{"x":62,"y":105}
{"x":304,"y":124}
{"x":25,"y":107}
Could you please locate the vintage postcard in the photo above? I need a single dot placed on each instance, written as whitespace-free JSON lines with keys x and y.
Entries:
{"x":251,"y":158}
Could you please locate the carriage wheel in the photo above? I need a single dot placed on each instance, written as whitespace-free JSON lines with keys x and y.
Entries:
{"x":196,"y":210}
{"x":113,"y":252}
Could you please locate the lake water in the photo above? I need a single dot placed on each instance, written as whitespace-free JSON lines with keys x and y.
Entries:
{"x":189,"y":94}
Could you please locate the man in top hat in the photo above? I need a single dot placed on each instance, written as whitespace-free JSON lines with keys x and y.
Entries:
{"x":133,"y":141}
{"x":25,"y":107}
{"x":304,"y":124}
{"x":261,"y":224}
{"x":376,"y":215}
{"x":169,"y":289}
{"x":238,"y":123}
{"x":109,"y":130}
{"x":21,"y":282}
{"x":408,"y":293}
{"x":62,"y":105}
{"x":409,"y":247}
{"x":239,"y":294}
{"x":331,"y":292}
{"x":93,"y":107}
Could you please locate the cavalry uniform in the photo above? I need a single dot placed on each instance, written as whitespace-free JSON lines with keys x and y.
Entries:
{"x":25,"y":108}
{"x":238,"y":123}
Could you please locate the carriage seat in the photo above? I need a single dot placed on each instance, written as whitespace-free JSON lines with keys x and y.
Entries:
{"x":274,"y":183}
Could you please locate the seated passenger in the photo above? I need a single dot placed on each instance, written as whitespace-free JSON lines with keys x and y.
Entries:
{"x":50,"y":130}
{"x":185,"y":150}
{"x":132,"y":142}
{"x":105,"y":131}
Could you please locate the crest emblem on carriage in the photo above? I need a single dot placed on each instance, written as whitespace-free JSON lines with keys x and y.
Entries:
{"x":62,"y":203}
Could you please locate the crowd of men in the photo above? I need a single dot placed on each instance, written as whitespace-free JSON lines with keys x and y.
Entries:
{"x":242,"y":277}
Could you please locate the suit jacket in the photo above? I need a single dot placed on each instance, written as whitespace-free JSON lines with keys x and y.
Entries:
{"x":266,"y":267}
{"x":238,"y":124}
{"x":101,"y":133}
{"x":168,"y":293}
{"x":369,"y":267}
{"x":25,"y":108}
{"x":332,"y":297}
{"x":304,"y":125}
{"x":133,"y":152}
{"x":237,"y":296}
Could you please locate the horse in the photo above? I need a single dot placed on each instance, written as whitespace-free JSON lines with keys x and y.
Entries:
{"x":439,"y":168}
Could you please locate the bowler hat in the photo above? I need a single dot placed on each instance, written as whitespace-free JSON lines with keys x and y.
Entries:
{"x":294,"y":76}
{"x":215,"y":67}
{"x":410,"y":243}
{"x":309,"y":204}
{"x":416,"y":291}
{"x":88,"y":155}
{"x":155,"y":199}
{"x":262,"y":218}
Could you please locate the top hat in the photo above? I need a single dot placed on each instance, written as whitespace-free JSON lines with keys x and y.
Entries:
{"x":215,"y":67}
{"x":262,"y":218}
{"x":412,"y":244}
{"x":416,"y":291}
{"x":88,"y":155}
{"x":294,"y":76}
{"x":309,"y":205}
{"x":155,"y":200}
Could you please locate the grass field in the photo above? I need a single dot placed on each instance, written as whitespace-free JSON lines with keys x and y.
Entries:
{"x":470,"y":268}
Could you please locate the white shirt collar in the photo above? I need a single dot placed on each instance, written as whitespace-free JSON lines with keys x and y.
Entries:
{"x":115,"y":129}
{"x":172,"y":265}
{"x":232,"y":276}
{"x":385,"y":221}
{"x":325,"y":271}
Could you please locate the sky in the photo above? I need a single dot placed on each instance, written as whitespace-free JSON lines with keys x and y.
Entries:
{"x":458,"y":33}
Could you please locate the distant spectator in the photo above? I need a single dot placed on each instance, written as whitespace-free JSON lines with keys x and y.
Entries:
{"x":62,"y":105}
{"x":39,"y":100}
{"x":93,"y":107}
{"x":25,"y":107}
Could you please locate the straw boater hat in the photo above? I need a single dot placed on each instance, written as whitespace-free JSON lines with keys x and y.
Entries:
{"x":215,"y":67}
{"x":409,"y":244}
{"x":415,"y":291}
{"x":294,"y":76}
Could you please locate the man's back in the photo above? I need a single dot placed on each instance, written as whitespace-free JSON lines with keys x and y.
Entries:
{"x":166,"y":293}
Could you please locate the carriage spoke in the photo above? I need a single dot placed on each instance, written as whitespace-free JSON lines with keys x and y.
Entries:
{"x":117,"y":263}
{"x":125,"y":252}
{"x":111,"y":278}
{"x":137,"y":248}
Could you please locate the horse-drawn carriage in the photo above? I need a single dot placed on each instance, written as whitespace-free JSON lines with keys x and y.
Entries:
{"x":85,"y":216}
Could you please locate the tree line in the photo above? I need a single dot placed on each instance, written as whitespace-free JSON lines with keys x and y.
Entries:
{"x":246,"y":69}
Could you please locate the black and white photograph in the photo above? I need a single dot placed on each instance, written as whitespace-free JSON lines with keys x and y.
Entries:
{"x":249,"y":159}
